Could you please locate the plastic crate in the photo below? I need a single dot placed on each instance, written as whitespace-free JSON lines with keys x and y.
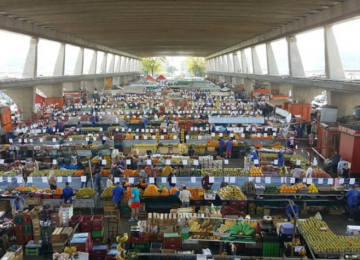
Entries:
{"x":270,"y":237}
{"x":271,"y":249}
{"x":18,"y":219}
{"x":155,"y":247}
{"x":286,"y":229}
{"x":28,"y":228}
{"x":97,"y":222}
{"x":33,"y":251}
{"x":142,"y":247}
{"x":98,"y":233}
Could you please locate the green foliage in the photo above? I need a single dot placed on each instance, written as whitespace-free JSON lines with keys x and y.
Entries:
{"x":196,"y":66}
{"x":152,"y":65}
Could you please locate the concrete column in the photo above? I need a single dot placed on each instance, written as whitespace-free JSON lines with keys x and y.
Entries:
{"x":271,"y":61}
{"x":239,"y":81}
{"x":345,"y":102}
{"x":59,"y":69}
{"x":99,"y":84}
{"x":230,"y":63}
{"x":225,"y":67}
{"x":236,"y":63}
{"x":79,"y":66}
{"x":305,"y":94}
{"x":117,"y":65}
{"x":122,"y":80}
{"x":255,"y":61}
{"x":51,"y":91}
{"x":122,"y":66}
{"x":248,"y":85}
{"x":24,"y":98}
{"x":93,"y":64}
{"x":111,"y":65}
{"x":71,"y":86}
{"x":296,"y":67}
{"x":103,"y":64}
{"x":217,"y":64}
{"x":206,"y":65}
{"x":244,"y":63}
{"x":212,"y":64}
{"x":333,"y":64}
{"x":30,"y":68}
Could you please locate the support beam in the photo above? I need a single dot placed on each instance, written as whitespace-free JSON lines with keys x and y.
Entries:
{"x":52,"y":91}
{"x":24,"y":98}
{"x":224,"y":64}
{"x":237,"y":67}
{"x":271,"y":61}
{"x":79,"y":66}
{"x":244,"y":63}
{"x":296,"y":67}
{"x":30,"y":69}
{"x":333,"y":64}
{"x":93,"y":64}
{"x":89,"y":85}
{"x":59,"y":69}
{"x":217,"y":64}
{"x":117,"y":65}
{"x":255,"y":61}
{"x":123,"y":63}
{"x":71,"y":86}
{"x":230,"y":62}
{"x":103,"y":64}
{"x":111,"y":65}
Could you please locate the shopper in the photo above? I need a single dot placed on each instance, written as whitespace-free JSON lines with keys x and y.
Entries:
{"x":17,"y":205}
{"x":52,"y":180}
{"x":221,"y":146}
{"x":98,"y":182}
{"x":109,"y":181}
{"x":229,"y":146}
{"x":229,"y":249}
{"x":345,"y":173}
{"x":340,"y":165}
{"x":184,"y":197}
{"x":79,"y":128}
{"x":205,"y":182}
{"x":311,"y":139}
{"x":308,"y":129}
{"x":291,"y":142}
{"x":191,"y":151}
{"x":3,"y":135}
{"x":352,"y":200}
{"x":292,"y":211}
{"x":135,"y":204}
{"x":142,"y":172}
{"x":281,"y":158}
{"x":126,"y":181}
{"x":169,"y":178}
{"x":296,"y":173}
{"x":141,"y":184}
{"x":118,"y":193}
{"x":115,"y":171}
{"x":303,"y":127}
{"x":223,"y":183}
{"x":67,"y":193}
{"x":309,"y":171}
{"x":299,"y":132}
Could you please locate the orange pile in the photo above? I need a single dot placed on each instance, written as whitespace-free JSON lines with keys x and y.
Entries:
{"x":196,"y":193}
{"x":151,"y":190}
{"x":288,"y":189}
{"x":256,"y":172}
{"x":128,"y":172}
{"x":104,"y":173}
{"x":58,"y":191}
{"x":127,"y":194}
{"x":173,"y":190}
{"x":78,"y":173}
{"x":301,"y":185}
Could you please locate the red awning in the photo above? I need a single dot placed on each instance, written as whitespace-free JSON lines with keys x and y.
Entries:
{"x":161,"y":77}
{"x":39,"y":99}
{"x":148,"y":77}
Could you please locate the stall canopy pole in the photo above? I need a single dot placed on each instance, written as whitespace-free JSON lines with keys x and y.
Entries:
{"x":92,"y":181}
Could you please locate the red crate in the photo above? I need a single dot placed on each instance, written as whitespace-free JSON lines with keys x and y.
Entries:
{"x":137,"y":239}
{"x":101,"y":250}
{"x":19,"y":230}
{"x":86,"y":224}
{"x":36,"y":195}
{"x":57,"y":197}
{"x":27,"y":220}
{"x":98,"y":239}
{"x":85,"y":228}
{"x":74,"y":220}
{"x":97,"y":222}
{"x":46,"y":196}
{"x":97,"y":257}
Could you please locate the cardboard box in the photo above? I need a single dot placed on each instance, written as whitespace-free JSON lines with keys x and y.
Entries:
{"x":9,"y":256}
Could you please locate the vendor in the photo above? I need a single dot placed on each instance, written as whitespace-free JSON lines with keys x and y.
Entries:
{"x":223,"y":183}
{"x":67,"y":193}
{"x":184,"y":197}
{"x":352,"y":200}
{"x":191,"y":151}
{"x":229,"y":146}
{"x":109,"y":181}
{"x":126,"y":181}
{"x":49,"y":129}
{"x":141,"y":184}
{"x":98,"y":182}
{"x":17,"y":204}
{"x":115,"y":170}
{"x":52,"y":180}
{"x":281,"y":158}
{"x":309,"y":171}
{"x":118,"y":193}
{"x":221,"y":146}
{"x":121,"y":165}
{"x":205,"y":181}
{"x":169,"y":178}
{"x":292,"y":213}
{"x":254,"y":156}
{"x":296,"y":173}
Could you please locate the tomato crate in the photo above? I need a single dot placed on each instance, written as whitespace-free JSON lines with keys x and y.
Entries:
{"x":32,"y":251}
{"x":19,"y":229}
{"x":86,"y":224}
{"x":74,"y":220}
{"x":26,"y":220}
{"x":97,"y":222}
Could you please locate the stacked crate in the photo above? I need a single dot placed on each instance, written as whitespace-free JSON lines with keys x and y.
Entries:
{"x":98,"y":229}
{"x":82,"y":242}
{"x":23,"y":228}
{"x":56,"y":217}
{"x":86,"y":224}
{"x":67,"y":213}
{"x":99,"y":252}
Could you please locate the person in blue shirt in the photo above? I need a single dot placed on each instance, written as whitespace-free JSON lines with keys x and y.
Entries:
{"x":17,"y":204}
{"x":254,"y":156}
{"x":299,"y":132}
{"x":135,"y":204}
{"x":280,"y":158}
{"x":290,"y":212}
{"x":213,"y":128}
{"x":67,"y":193}
{"x":221,"y":146}
{"x":167,"y":120}
{"x":92,"y":110}
{"x":49,"y":129}
{"x":98,"y":182}
{"x":146,"y":121}
{"x":121,"y":165}
{"x":11,"y":135}
{"x":229,"y":146}
{"x":117,"y":192}
{"x":93,"y":121}
{"x":352,"y":201}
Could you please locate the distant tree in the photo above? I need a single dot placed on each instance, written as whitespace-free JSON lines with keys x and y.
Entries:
{"x":196,"y":66}
{"x":151,"y":65}
{"x":171,"y":69}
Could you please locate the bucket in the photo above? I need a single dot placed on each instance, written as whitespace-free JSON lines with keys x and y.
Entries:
{"x":357,"y":112}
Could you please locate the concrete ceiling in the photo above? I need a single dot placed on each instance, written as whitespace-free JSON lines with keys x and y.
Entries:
{"x":163,"y":28}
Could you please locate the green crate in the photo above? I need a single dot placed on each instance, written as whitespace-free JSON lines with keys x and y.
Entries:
{"x":271,"y":249}
{"x":18,"y":219}
{"x":28,"y":228}
{"x":98,"y":233}
{"x":142,"y":247}
{"x":36,"y":251}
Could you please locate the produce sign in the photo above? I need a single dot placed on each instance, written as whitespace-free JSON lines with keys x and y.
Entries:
{"x":322,"y":240}
{"x":221,"y":229}
{"x":231,"y":192}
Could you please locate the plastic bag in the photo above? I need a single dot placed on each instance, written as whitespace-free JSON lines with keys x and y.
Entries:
{"x":318,"y":216}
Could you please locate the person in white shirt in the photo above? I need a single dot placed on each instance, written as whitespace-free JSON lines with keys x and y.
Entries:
{"x":309,"y":172}
{"x":184,"y":197}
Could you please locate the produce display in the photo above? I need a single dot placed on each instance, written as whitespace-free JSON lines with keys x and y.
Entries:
{"x":319,"y":173}
{"x":104,"y":173}
{"x":288,"y":189}
{"x":271,"y":190}
{"x":256,"y":172}
{"x":277,"y":146}
{"x":57,"y":172}
{"x":196,"y":193}
{"x":153,"y":190}
{"x":322,"y":240}
{"x":270,"y":170}
{"x":107,"y":193}
{"x":85,"y":193}
{"x":239,"y":172}
{"x":313,"y":189}
{"x":248,"y":187}
{"x":231,"y":192}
